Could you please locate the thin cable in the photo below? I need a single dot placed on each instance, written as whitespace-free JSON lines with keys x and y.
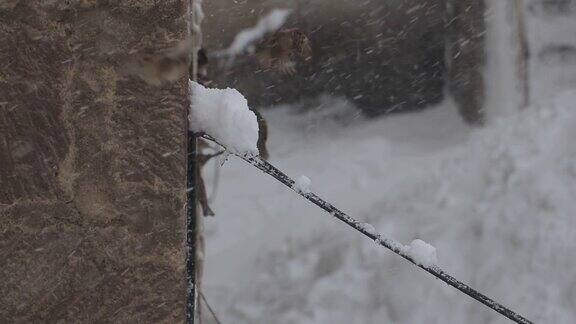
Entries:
{"x":209,"y":308}
{"x":388,"y":243}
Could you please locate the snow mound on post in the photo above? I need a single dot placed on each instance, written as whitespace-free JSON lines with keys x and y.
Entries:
{"x":224,"y":115}
{"x":422,"y":253}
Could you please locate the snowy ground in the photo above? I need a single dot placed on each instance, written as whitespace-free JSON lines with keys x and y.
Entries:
{"x":496,"y":202}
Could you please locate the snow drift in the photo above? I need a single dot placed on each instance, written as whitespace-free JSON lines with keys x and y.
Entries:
{"x":497,"y":202}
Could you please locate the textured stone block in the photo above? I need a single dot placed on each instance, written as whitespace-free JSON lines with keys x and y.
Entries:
{"x":93,"y":98}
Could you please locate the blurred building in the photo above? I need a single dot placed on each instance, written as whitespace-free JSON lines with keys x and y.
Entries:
{"x":385,"y":56}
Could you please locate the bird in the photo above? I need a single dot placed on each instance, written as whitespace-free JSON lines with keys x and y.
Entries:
{"x":277,"y":51}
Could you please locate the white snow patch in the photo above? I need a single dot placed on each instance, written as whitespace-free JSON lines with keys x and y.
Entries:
{"x":267,"y":24}
{"x":498,"y":201}
{"x":224,"y":115}
{"x":369,"y":228}
{"x":422,"y":253}
{"x":302,"y":185}
{"x":503,"y":88}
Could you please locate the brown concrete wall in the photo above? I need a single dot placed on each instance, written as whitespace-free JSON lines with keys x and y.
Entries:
{"x":92,"y":165}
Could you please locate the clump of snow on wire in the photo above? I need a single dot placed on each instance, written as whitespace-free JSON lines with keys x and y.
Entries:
{"x":422,"y":253}
{"x":270,"y":23}
{"x":369,"y":228}
{"x":224,"y":115}
{"x":302,"y":185}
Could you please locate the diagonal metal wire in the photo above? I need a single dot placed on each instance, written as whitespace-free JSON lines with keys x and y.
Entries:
{"x":210,"y":309}
{"x":388,"y":243}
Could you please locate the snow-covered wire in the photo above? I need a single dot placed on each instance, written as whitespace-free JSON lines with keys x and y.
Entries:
{"x":388,"y":243}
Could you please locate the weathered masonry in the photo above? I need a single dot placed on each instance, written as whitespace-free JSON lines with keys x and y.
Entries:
{"x":93,"y":98}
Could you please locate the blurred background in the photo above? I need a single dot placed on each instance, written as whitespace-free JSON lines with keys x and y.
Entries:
{"x":451,"y":121}
{"x":383,"y":56}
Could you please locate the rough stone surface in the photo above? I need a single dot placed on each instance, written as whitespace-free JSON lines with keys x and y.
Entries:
{"x":92,"y":165}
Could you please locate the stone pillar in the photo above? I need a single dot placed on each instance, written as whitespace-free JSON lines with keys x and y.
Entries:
{"x":93,"y":98}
